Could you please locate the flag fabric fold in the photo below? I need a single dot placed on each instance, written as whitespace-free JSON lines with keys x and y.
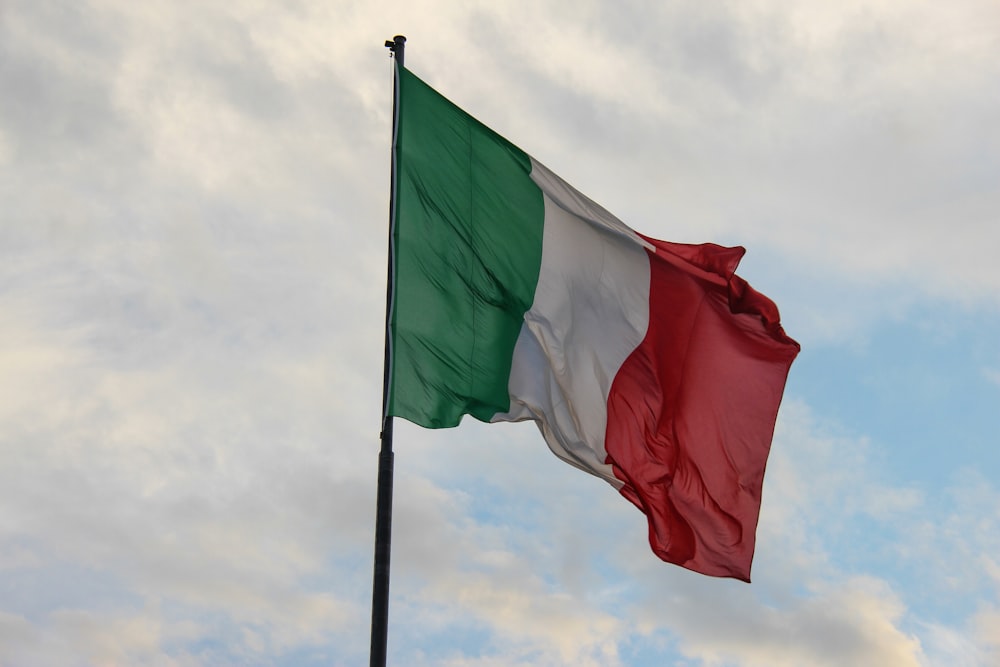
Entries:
{"x":647,"y":363}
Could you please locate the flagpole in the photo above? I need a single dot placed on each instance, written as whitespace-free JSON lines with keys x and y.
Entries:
{"x":383,"y":505}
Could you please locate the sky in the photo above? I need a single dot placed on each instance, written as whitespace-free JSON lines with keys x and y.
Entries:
{"x":192,"y":290}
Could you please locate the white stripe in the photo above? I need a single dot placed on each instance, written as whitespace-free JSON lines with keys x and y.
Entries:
{"x":591,"y":310}
{"x":575,"y":202}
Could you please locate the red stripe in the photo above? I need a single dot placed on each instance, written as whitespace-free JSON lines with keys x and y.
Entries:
{"x":691,"y":413}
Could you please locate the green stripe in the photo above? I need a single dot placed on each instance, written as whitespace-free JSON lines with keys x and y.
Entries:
{"x":468,"y":248}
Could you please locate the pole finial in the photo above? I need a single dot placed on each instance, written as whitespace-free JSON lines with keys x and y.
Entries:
{"x":397,"y":45}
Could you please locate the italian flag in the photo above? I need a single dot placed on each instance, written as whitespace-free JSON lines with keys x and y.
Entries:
{"x":646,"y":363}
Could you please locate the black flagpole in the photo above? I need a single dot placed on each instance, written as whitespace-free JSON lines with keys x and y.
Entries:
{"x":383,"y":507}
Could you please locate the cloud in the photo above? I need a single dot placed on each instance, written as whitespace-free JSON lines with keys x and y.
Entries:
{"x":535,"y":625}
{"x":986,"y":628}
{"x":484,"y":556}
{"x":150,"y":462}
{"x":853,"y":622}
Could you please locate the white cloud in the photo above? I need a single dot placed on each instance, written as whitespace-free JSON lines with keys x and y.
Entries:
{"x":557,"y":627}
{"x":986,"y":628}
{"x":852,"y":622}
{"x":955,"y":646}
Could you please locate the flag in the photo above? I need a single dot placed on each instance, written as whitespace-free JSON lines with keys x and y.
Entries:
{"x":647,"y":363}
